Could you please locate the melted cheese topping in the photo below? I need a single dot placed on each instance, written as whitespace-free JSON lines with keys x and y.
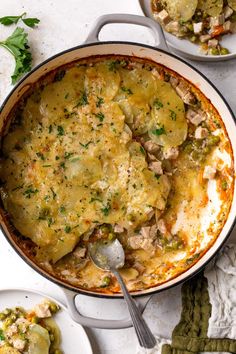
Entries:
{"x":76,"y":160}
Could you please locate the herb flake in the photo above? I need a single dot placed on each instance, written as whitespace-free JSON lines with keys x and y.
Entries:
{"x":159,"y":131}
{"x":126,"y":90}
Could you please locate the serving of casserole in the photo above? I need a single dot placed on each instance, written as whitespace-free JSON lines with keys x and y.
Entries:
{"x":116,"y":146}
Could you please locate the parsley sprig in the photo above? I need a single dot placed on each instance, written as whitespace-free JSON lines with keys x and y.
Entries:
{"x":10,"y":20}
{"x":17,"y":45}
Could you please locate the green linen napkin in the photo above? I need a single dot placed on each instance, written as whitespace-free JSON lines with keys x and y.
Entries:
{"x":190,"y":334}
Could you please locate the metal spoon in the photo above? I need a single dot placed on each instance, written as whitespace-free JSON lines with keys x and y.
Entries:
{"x":109,"y":255}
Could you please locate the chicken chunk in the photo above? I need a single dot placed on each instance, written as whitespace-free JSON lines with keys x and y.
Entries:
{"x":204,"y":38}
{"x":217,"y":21}
{"x":171,"y":153}
{"x":183,"y":91}
{"x":174,"y":81}
{"x":118,"y":229}
{"x":197,"y":27}
{"x":152,"y":157}
{"x":195,"y":117}
{"x":156,"y":167}
{"x":228,"y":12}
{"x":139,"y":242}
{"x":12,"y":330}
{"x":163,"y":17}
{"x":227,"y":26}
{"x":42,"y":310}
{"x":144,"y":240}
{"x":156,"y":73}
{"x":213,"y":43}
{"x":173,"y":27}
{"x":18,"y":343}
{"x":149,"y":231}
{"x":79,"y":252}
{"x":201,"y":133}
{"x":150,"y":146}
{"x":162,"y":226}
{"x":209,"y":172}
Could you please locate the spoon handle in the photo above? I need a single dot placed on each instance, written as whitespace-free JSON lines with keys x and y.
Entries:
{"x":145,"y":336}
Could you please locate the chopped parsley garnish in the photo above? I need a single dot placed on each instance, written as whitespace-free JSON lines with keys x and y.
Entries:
{"x":75,"y":159}
{"x":173,"y":115}
{"x":85,"y":146}
{"x":59,"y":75}
{"x":224,"y":185}
{"x":112,"y":65}
{"x":50,"y":221}
{"x":100,"y":116}
{"x":99,"y":102}
{"x":62,"y":209}
{"x":62,"y":165}
{"x":83,"y":100}
{"x":40,"y":155}
{"x":157,"y":104}
{"x":67,"y":95}
{"x":159,"y":131}
{"x":1,"y":335}
{"x":142,"y":150}
{"x":50,"y":128}
{"x":67,"y":229}
{"x":126,"y":90}
{"x":47,"y":165}
{"x":95,"y":199}
{"x":106,"y":210}
{"x":60,"y":130}
{"x":29,"y":192}
{"x":67,"y":155}
{"x":44,"y":213}
{"x":53,"y":193}
{"x":17,"y":188}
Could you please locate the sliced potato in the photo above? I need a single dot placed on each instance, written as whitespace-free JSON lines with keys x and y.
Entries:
{"x":54,"y":329}
{"x":232,"y":4}
{"x":60,"y":94}
{"x":137,"y":115}
{"x":8,"y":350}
{"x":168,"y":125}
{"x":181,"y":9}
{"x":39,"y":341}
{"x":137,"y":86}
{"x":129,"y":273}
{"x":211,"y":7}
{"x":100,"y":81}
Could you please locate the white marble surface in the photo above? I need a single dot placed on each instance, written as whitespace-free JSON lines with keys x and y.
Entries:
{"x":66,"y":24}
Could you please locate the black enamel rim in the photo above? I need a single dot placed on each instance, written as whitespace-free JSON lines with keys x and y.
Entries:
{"x":149,"y":292}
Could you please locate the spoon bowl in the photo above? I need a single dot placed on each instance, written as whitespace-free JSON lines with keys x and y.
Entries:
{"x":110,"y":255}
{"x":107,"y":255}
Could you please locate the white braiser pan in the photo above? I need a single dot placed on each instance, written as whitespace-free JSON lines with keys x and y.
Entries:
{"x":160,"y":54}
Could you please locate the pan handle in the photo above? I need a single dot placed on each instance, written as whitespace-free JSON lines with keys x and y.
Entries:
{"x":160,"y":41}
{"x":96,"y":322}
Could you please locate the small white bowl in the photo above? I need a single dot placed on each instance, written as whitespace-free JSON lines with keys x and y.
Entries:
{"x":74,"y":338}
{"x":185,"y":48}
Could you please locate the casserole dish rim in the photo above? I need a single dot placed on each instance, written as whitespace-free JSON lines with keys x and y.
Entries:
{"x":154,"y":289}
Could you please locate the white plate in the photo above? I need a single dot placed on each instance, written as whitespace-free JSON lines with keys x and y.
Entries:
{"x":74,"y":338}
{"x":190,"y":50}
